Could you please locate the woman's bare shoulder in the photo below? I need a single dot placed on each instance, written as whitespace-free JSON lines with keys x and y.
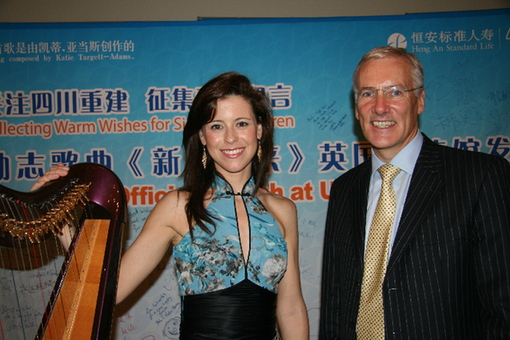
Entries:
{"x":176,"y":197}
{"x":276,"y":200}
{"x":281,"y":208}
{"x":171,"y":210}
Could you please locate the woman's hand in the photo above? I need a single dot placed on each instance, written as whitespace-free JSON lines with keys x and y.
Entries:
{"x":54,"y":173}
{"x":67,"y":233}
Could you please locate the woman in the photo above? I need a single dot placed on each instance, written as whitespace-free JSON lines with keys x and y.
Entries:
{"x":235,"y":244}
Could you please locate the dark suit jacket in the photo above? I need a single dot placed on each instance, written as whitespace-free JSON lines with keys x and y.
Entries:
{"x":448,"y":276}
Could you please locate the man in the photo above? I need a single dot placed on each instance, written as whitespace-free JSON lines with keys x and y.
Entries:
{"x":446,"y":271}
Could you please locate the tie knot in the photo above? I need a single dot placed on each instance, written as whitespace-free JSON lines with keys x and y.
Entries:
{"x":388,"y":172}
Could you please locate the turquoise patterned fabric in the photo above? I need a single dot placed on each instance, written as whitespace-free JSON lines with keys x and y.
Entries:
{"x":211,"y":262}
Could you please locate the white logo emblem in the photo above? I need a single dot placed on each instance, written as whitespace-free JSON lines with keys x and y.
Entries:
{"x":397,"y":40}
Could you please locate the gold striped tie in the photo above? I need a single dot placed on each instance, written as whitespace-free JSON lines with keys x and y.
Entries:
{"x":370,"y":324}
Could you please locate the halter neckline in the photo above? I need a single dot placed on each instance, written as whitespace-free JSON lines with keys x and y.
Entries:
{"x":223,"y":188}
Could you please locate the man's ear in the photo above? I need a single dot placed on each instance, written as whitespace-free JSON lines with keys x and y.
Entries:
{"x":421,"y":101}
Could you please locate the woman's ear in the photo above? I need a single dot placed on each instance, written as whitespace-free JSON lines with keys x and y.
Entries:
{"x":202,"y":137}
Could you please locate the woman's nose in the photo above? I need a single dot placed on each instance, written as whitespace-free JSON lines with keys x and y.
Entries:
{"x":230,"y":136}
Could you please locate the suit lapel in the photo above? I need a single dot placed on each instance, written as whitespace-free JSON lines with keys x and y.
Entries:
{"x":360,"y":199}
{"x":425,"y":186}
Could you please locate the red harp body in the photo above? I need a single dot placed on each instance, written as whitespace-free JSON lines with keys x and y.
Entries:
{"x":60,"y":253}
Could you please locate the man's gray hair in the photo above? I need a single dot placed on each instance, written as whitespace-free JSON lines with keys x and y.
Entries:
{"x":392,"y":52}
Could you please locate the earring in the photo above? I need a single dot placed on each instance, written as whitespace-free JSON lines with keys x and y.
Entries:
{"x":259,"y":152}
{"x":204,"y":158}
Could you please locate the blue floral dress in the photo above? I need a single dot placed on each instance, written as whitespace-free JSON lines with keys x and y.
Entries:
{"x":224,"y":296}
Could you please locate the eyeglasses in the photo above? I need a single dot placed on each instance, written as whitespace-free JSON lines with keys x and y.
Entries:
{"x":392,"y":93}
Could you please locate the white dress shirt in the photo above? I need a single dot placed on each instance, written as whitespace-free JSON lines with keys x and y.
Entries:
{"x":405,"y":160}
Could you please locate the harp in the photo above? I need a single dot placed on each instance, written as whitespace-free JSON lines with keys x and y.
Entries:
{"x":57,"y":287}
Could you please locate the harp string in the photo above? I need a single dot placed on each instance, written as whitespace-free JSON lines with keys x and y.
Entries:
{"x":34,"y":269}
{"x":66,"y":240}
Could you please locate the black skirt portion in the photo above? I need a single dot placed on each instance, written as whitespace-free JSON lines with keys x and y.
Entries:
{"x":241,"y":312}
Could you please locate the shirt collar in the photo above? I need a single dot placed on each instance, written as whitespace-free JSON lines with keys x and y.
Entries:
{"x":223,"y":187}
{"x":405,"y":159}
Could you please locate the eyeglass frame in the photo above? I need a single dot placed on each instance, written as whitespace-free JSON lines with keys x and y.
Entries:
{"x":385,"y":91}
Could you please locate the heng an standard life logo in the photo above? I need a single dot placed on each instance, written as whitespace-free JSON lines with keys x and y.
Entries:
{"x":451,"y":40}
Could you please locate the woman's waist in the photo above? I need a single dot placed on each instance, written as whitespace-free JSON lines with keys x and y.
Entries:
{"x":245,"y":292}
{"x":243,"y":311}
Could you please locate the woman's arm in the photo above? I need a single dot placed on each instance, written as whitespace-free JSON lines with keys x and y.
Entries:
{"x":157,"y":235}
{"x":291,"y":310}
